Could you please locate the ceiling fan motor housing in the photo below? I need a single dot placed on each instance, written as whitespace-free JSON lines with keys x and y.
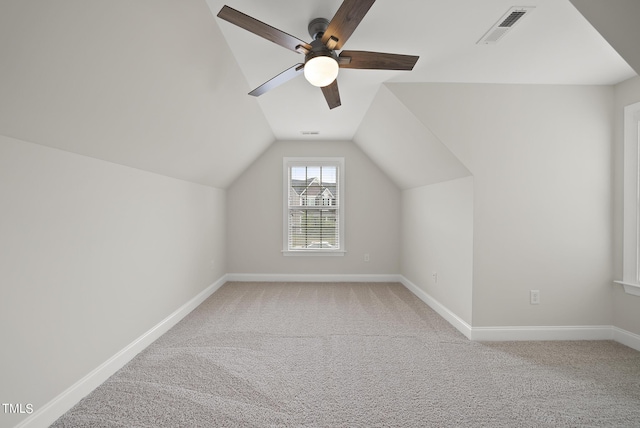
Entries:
{"x":319,"y":49}
{"x":317,"y":27}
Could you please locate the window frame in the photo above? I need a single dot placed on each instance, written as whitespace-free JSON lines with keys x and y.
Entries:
{"x":631,"y":196}
{"x":289,"y":162}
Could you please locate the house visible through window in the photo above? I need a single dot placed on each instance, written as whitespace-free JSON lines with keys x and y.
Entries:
{"x":313,"y":206}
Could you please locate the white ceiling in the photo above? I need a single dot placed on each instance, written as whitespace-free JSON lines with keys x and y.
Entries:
{"x":552,"y":45}
{"x":149,"y":84}
{"x":617,"y":21}
{"x":161,"y":85}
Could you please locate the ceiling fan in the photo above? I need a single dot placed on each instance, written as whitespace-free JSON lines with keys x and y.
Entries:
{"x":321,"y":63}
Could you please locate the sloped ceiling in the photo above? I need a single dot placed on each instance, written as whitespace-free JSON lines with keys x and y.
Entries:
{"x":149,"y":84}
{"x":404,"y":148}
{"x":162,"y":85}
{"x":618,"y":22}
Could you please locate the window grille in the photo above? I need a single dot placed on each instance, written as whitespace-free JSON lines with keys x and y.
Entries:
{"x":313,"y":189}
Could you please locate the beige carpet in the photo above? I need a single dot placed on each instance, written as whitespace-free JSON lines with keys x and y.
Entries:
{"x":356,"y":355}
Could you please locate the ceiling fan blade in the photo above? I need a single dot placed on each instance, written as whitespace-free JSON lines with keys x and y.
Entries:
{"x":376,"y":60}
{"x":281,"y":78}
{"x":345,"y":21}
{"x":263,"y":30}
{"x":332,"y":95}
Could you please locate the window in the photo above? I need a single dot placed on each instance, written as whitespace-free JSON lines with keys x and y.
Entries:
{"x":631,"y":238}
{"x":313,"y":206}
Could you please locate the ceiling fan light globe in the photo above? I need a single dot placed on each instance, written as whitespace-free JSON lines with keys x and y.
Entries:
{"x":321,"y":71}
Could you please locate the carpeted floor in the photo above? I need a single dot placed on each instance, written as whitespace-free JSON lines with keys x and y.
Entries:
{"x":356,"y":355}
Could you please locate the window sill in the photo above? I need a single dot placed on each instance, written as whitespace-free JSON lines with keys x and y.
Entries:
{"x":334,"y":253}
{"x":630,"y":288}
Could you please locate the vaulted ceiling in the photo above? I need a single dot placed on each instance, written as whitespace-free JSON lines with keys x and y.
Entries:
{"x":552,"y":45}
{"x":162,"y":85}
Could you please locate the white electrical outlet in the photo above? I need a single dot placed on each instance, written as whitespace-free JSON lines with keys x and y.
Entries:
{"x":366,"y":257}
{"x":435,"y":277}
{"x":535,"y":297}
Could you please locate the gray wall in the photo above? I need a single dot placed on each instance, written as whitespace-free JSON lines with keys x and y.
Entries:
{"x":93,"y":255}
{"x":541,"y":163}
{"x":626,"y":308}
{"x":437,"y":237}
{"x":255,"y":212}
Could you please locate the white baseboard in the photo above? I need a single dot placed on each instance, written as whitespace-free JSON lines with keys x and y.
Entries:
{"x":521,"y":333}
{"x":55,"y":408}
{"x":627,"y":338}
{"x":442,"y":310}
{"x":498,"y":334}
{"x":270,"y":277}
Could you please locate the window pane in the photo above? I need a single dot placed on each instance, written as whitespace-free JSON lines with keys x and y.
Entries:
{"x":329,"y":175}
{"x":313,"y":206}
{"x":299,"y":173}
{"x":313,"y":172}
{"x":313,"y":229}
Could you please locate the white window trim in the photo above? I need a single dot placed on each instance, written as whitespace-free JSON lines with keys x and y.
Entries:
{"x":312,"y":161}
{"x":631,"y":225}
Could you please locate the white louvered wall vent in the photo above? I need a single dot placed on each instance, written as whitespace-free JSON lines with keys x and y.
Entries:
{"x":504,"y":24}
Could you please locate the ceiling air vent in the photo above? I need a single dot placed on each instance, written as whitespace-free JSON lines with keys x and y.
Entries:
{"x":504,"y":24}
